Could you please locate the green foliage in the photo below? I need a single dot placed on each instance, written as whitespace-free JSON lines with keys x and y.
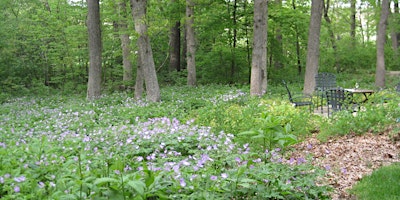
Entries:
{"x":372,"y":117}
{"x":381,"y":184}
{"x":272,"y":133}
{"x":63,"y":147}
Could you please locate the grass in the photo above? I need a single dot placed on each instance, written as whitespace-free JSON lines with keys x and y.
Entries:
{"x":382,"y":184}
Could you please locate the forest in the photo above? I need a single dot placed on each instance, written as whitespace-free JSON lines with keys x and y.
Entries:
{"x":44,"y":43}
{"x":216,"y":121}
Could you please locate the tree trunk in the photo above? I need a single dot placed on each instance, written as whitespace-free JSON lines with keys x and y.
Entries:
{"x":139,"y":86}
{"x":191,"y":44}
{"x":313,"y":46}
{"x":278,"y":35}
{"x":394,"y":34}
{"x":145,"y":51}
{"x":353,"y":21}
{"x":258,"y":80}
{"x":125,"y":42}
{"x":175,"y":47}
{"x":234,"y":40}
{"x":380,"y":46}
{"x":93,"y":24}
{"x":332,"y":34}
{"x":298,"y":56}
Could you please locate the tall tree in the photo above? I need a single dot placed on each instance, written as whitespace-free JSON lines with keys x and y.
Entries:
{"x":125,"y":41}
{"x":175,"y":44}
{"x":191,"y":44}
{"x":394,"y":33}
{"x":258,"y":79}
{"x":139,"y":85}
{"x":380,"y":45}
{"x":93,"y":25}
{"x":139,"y":9}
{"x":313,"y":46}
{"x":279,"y":45}
{"x":332,"y":34}
{"x":353,"y":21}
{"x":298,"y":56}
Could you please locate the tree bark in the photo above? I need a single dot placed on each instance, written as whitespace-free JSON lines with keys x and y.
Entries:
{"x":175,"y":47}
{"x":145,"y":51}
{"x":380,"y":46}
{"x":394,"y":34}
{"x":353,"y":21}
{"x":298,"y":56}
{"x":191,"y":44}
{"x":332,"y":34}
{"x":313,"y":46}
{"x":278,"y":35}
{"x":258,"y":80}
{"x":139,"y":85}
{"x":125,"y":42}
{"x":94,"y":32}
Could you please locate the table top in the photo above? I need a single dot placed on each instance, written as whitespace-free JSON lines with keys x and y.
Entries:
{"x":359,"y":90}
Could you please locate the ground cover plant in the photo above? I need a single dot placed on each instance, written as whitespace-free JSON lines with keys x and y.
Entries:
{"x":62,"y":147}
{"x":381,"y":184}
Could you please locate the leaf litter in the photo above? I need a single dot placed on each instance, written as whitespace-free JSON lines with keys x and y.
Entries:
{"x":349,"y":158}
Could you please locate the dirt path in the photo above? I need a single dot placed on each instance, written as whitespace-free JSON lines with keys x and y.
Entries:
{"x":349,"y":158}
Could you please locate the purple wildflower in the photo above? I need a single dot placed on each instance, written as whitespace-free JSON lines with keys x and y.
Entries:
{"x":327,"y":167}
{"x":224,"y":175}
{"x":300,"y":161}
{"x":17,"y":189}
{"x":41,"y":184}
{"x":19,"y":179}
{"x":213,"y":178}
{"x":52,"y":184}
{"x":182,"y":182}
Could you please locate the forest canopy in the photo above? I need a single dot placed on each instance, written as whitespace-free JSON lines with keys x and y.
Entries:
{"x":44,"y":43}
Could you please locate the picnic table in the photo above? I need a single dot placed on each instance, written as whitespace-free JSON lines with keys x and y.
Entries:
{"x":365,"y":92}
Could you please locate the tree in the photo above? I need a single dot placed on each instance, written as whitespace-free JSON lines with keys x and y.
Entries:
{"x":313,"y":46}
{"x":332,"y":34}
{"x":353,"y":20}
{"x":191,"y":44}
{"x":258,"y":79}
{"x":139,"y":8}
{"x":93,"y":25}
{"x":380,"y":45}
{"x":125,"y":42}
{"x":175,"y":44}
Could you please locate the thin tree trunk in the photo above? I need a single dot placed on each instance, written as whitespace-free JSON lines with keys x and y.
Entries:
{"x":191,"y":45}
{"x":332,"y":34}
{"x":278,"y":35}
{"x":258,"y":81}
{"x":145,"y":51}
{"x":394,"y":34}
{"x":313,"y":46}
{"x":234,"y":40}
{"x":299,"y":68}
{"x":380,"y":46}
{"x":353,"y":21}
{"x":93,"y":24}
{"x":125,"y":42}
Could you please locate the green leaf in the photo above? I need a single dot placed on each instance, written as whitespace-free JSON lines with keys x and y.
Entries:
{"x":138,"y":186}
{"x":104,"y":180}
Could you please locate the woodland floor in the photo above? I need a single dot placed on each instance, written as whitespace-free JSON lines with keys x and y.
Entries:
{"x":348,"y":158}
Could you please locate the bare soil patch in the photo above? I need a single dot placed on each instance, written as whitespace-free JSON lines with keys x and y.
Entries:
{"x":348,"y":158}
